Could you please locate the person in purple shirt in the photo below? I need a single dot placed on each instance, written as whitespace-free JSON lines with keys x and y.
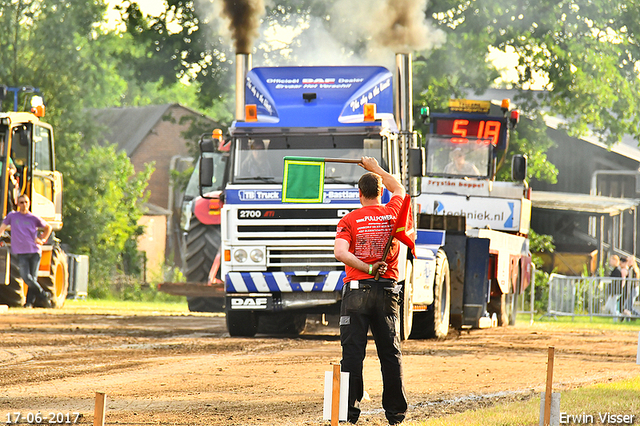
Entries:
{"x":25,"y":244}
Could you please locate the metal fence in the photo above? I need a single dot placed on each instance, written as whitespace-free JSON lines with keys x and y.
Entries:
{"x":593,"y":297}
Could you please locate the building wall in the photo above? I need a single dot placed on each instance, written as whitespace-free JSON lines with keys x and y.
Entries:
{"x":153,"y":242}
{"x":576,"y":161}
{"x":160,"y":145}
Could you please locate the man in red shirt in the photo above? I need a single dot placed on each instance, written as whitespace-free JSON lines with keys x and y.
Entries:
{"x":368,"y":303}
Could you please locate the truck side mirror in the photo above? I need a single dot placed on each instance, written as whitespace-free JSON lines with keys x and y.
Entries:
{"x":206,"y":145}
{"x":206,"y":172}
{"x":519,"y":168}
{"x":416,"y":162}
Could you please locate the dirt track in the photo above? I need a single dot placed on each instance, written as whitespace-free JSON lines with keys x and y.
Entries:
{"x":186,"y":370}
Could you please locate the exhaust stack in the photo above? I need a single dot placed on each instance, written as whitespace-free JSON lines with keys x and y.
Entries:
{"x":243,"y":65}
{"x":403,"y":111}
{"x":404,"y":97}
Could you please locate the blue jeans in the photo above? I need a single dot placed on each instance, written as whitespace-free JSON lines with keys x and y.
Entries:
{"x":29,"y":263}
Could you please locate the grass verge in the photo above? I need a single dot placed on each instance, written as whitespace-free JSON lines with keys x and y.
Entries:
{"x":588,"y":405}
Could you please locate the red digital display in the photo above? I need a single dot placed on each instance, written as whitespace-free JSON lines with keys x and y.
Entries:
{"x":484,"y":129}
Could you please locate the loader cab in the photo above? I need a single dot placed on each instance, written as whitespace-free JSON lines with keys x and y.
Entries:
{"x":29,"y":144}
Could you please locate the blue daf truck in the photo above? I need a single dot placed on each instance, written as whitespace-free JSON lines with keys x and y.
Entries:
{"x":277,"y":259}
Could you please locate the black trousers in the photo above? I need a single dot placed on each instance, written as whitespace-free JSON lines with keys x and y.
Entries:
{"x":372,"y":305}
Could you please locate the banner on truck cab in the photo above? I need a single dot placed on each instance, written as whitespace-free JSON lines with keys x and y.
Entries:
{"x":303,"y":180}
{"x":480,"y":212}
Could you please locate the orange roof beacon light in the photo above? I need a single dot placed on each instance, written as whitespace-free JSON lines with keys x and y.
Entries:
{"x":504,"y":105}
{"x":369,"y":112}
{"x":216,"y":134}
{"x":37,"y":106}
{"x":251,"y":113}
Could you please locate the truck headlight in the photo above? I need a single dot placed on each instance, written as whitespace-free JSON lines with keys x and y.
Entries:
{"x":256,"y":255}
{"x":240,"y":255}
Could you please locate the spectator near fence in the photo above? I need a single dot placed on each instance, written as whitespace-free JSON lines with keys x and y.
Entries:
{"x":614,"y":263}
{"x":630,"y":284}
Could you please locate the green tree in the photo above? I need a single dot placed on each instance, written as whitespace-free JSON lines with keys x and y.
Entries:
{"x":586,"y":49}
{"x":58,"y":46}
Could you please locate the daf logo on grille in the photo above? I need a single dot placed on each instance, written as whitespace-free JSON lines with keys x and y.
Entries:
{"x":343,"y":212}
{"x":249,"y":303}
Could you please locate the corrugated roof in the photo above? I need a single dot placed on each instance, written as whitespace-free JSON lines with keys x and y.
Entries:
{"x":581,"y":203}
{"x":127,"y":127}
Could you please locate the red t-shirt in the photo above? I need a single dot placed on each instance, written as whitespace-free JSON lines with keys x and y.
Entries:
{"x":367,"y":230}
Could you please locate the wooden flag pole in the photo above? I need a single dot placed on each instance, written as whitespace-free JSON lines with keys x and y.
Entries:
{"x":547,"y":395}
{"x":341,"y":160}
{"x":335,"y":396}
{"x":385,"y":254}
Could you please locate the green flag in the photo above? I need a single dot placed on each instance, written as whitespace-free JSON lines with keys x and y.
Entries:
{"x":303,"y":180}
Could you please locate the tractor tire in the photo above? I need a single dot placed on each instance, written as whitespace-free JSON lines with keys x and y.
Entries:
{"x":283,"y":323}
{"x":14,"y":294}
{"x":57,"y":283}
{"x":242,"y":324}
{"x":205,"y":304}
{"x":201,"y":245}
{"x":434,"y":323}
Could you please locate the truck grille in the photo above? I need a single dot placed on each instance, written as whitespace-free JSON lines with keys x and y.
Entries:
{"x":276,"y":232}
{"x":289,"y":259}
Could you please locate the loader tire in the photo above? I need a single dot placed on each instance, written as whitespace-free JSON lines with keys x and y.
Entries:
{"x":15,"y":293}
{"x":57,"y":283}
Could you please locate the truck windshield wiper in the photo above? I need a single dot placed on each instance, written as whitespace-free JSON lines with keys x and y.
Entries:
{"x":262,"y":178}
{"x":335,"y":179}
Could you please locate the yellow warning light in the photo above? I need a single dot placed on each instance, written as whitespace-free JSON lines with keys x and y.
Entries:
{"x":227,"y":255}
{"x":250,"y":113}
{"x":369,"y":112}
{"x":505,"y":104}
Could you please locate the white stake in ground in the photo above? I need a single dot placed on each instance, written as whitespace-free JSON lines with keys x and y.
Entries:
{"x":336,"y":392}
{"x":638,"y":355}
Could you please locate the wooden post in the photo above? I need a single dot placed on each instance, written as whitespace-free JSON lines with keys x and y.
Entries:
{"x":549,"y":390}
{"x":99,"y":411}
{"x":335,"y":396}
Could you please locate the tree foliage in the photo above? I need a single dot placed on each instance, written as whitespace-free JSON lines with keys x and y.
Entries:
{"x":585,"y":51}
{"x":58,"y":46}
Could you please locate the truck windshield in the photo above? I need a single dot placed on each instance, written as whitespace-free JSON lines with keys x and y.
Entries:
{"x":453,"y":156}
{"x":260,"y":159}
